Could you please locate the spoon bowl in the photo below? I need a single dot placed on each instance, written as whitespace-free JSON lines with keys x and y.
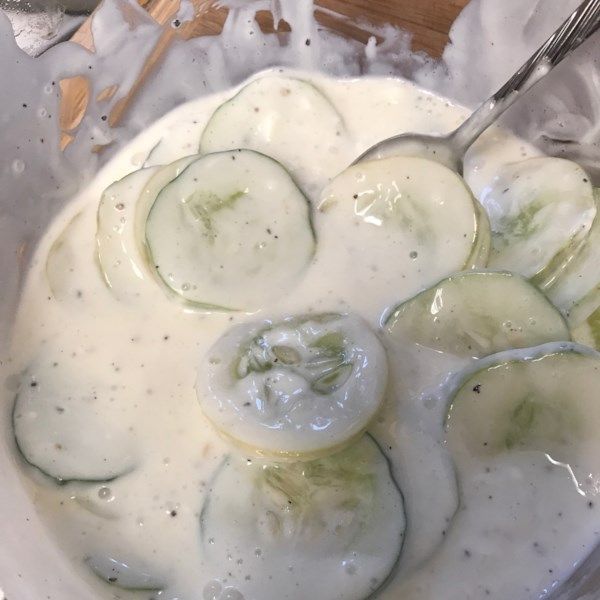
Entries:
{"x":439,"y":148}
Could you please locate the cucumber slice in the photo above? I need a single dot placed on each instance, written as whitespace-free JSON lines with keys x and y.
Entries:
{"x":120,"y":261}
{"x":480,"y":252}
{"x":288,"y":119}
{"x":546,"y":402}
{"x":588,"y":332}
{"x":122,"y":215}
{"x":231,"y":232}
{"x":476,"y":314}
{"x":332,"y":528}
{"x":54,"y":412}
{"x":62,"y":264}
{"x":300,"y":387}
{"x":575,"y":290}
{"x":540,"y":211}
{"x":123,"y":574}
{"x":155,"y":185}
{"x":417,"y":217}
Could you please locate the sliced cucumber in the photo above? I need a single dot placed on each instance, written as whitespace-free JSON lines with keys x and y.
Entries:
{"x":575,"y":290}
{"x":288,"y":119}
{"x":480,"y":252}
{"x":540,"y":211}
{"x":62,"y":427}
{"x":476,"y":314}
{"x":122,"y":265}
{"x":332,"y":528}
{"x":417,"y":217}
{"x":545,"y":402}
{"x":155,"y":185}
{"x":300,"y":387}
{"x":120,"y":235}
{"x":123,"y":574}
{"x":588,"y":332}
{"x":62,"y":264}
{"x":232,"y":232}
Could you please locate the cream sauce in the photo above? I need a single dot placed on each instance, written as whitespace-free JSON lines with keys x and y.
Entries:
{"x":147,"y":350}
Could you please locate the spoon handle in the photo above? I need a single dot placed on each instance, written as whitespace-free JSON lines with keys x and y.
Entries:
{"x":584,"y":21}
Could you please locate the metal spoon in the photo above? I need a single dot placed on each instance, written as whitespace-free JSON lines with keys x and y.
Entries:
{"x":450,"y":149}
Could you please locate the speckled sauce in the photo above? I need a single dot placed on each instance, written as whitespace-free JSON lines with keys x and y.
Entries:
{"x":139,"y":354}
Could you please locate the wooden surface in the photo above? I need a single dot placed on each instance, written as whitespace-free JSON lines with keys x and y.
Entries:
{"x":428,"y":21}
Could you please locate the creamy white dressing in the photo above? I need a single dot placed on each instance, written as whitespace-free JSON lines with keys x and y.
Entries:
{"x":147,"y":347}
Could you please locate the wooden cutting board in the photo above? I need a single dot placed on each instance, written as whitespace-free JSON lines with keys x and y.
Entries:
{"x":428,"y":20}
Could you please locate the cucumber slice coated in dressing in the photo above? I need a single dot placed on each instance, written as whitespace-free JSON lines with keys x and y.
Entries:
{"x":331,"y":528}
{"x":546,"y":402}
{"x":540,"y":210}
{"x":478,"y":313}
{"x":162,"y":177}
{"x":63,"y":263}
{"x":483,"y":242}
{"x":301,"y":387}
{"x":588,"y":332}
{"x":122,"y":265}
{"x":70,"y":428}
{"x":576,"y":291}
{"x":287,"y":119}
{"x":121,"y":222}
{"x":232,"y":231}
{"x":417,"y":217}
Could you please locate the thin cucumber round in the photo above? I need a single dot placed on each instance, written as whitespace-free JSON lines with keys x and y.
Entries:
{"x":298,"y":388}
{"x":417,"y":217}
{"x":544,"y":402}
{"x":62,"y":427}
{"x":62,"y":262}
{"x":285,"y":118}
{"x":331,"y":528}
{"x":588,"y":332}
{"x":575,"y":290}
{"x":474,"y":314}
{"x":480,"y":253}
{"x":122,"y":265}
{"x":232,"y":231}
{"x":161,"y":178}
{"x":540,"y":211}
{"x":122,"y":215}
